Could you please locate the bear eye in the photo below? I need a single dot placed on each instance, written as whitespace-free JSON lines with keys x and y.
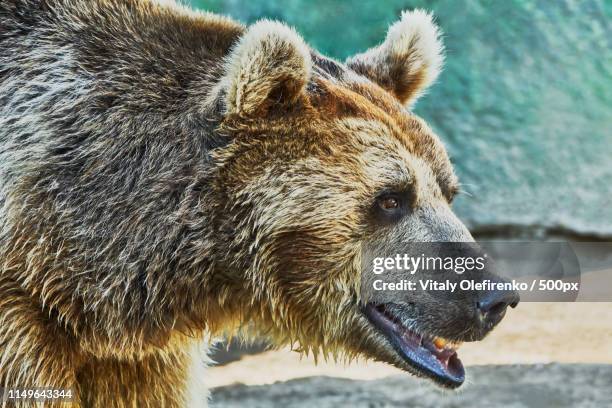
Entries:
{"x":389,"y":202}
{"x":389,"y":207}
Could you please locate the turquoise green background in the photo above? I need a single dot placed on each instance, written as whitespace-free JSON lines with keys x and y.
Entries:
{"x":524,"y":104}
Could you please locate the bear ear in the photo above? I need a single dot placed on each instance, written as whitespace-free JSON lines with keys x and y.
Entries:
{"x":270,"y":65}
{"x":408,"y":61}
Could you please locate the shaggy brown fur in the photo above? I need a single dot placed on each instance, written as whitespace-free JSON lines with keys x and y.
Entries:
{"x":168,"y":176}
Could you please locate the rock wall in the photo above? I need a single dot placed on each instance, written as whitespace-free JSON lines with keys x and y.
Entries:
{"x":518,"y":386}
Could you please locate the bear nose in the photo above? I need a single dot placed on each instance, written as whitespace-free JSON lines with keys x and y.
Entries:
{"x":492,"y":306}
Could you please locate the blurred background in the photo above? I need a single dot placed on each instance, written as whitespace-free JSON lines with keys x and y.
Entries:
{"x":524,"y":106}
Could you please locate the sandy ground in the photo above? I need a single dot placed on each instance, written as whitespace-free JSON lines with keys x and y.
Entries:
{"x":531,"y":333}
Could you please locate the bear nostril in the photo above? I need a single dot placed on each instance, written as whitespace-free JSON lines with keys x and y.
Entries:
{"x":494,"y":303}
{"x":496,"y":309}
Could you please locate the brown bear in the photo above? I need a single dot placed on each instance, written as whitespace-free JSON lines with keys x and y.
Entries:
{"x":169,"y":176}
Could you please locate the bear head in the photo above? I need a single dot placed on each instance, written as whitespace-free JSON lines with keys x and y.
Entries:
{"x":326,"y":158}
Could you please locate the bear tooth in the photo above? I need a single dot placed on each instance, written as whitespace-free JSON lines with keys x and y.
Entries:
{"x":439,"y":342}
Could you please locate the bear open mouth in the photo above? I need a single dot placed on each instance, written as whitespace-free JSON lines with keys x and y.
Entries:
{"x":431,"y":356}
